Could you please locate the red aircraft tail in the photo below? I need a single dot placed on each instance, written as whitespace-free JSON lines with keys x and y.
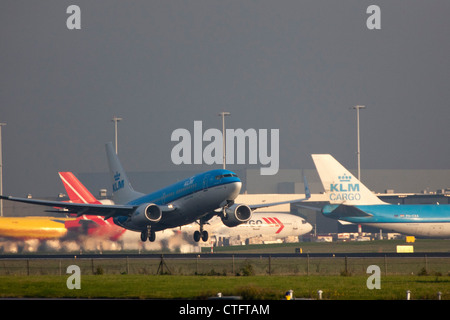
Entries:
{"x":76,"y":191}
{"x":92,"y":225}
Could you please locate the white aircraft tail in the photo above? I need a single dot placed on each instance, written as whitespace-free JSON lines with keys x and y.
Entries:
{"x":340,"y":185}
{"x":122,"y":190}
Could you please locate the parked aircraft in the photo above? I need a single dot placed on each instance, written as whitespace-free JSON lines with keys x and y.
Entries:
{"x":198,"y":198}
{"x":26,"y":228}
{"x":268,"y":225}
{"x":93,"y":224}
{"x":351,"y":201}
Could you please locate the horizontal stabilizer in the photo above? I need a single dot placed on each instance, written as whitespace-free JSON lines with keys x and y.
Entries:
{"x":345,"y":223}
{"x":343,"y":211}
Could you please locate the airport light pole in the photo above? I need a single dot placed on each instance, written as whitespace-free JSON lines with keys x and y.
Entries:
{"x":223,"y":114}
{"x":357,"y":108}
{"x":1,"y":169}
{"x":115,"y":120}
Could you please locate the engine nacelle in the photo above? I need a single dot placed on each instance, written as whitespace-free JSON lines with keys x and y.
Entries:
{"x":146,"y":214}
{"x":236,"y":215}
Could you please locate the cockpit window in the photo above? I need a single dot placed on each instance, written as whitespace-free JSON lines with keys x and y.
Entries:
{"x":225,"y":176}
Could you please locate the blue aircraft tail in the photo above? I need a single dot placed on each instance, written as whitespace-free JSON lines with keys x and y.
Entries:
{"x":122,"y":190}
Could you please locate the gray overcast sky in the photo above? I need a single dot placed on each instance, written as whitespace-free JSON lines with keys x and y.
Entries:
{"x":296,"y":66}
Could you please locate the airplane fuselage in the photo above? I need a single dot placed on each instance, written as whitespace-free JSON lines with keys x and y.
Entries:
{"x":427,"y":220}
{"x":41,"y":228}
{"x":268,"y":224}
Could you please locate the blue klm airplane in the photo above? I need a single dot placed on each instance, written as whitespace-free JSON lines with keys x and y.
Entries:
{"x":197,"y":198}
{"x":351,"y":201}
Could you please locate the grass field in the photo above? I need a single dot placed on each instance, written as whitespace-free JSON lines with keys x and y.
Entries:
{"x":201,"y":287}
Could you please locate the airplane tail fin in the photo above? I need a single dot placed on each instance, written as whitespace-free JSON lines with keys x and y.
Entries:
{"x":122,"y":190}
{"x":340,"y":185}
{"x":76,"y":191}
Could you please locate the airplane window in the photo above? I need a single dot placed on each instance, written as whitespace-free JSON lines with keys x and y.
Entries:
{"x":225,"y":176}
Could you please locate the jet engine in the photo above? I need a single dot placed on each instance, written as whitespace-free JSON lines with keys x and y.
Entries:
{"x":146,"y":214}
{"x":236,"y":215}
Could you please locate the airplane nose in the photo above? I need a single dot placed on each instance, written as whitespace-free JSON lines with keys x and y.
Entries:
{"x":234,"y":189}
{"x":308,"y":227}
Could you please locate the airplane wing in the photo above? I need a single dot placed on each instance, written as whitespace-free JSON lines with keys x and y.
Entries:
{"x":271,"y":204}
{"x":107,"y":211}
{"x":264,"y":205}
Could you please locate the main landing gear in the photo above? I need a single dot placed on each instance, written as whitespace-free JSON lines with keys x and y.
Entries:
{"x":203,"y":234}
{"x":148,"y":234}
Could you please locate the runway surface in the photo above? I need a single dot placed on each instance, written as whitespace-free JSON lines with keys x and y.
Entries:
{"x":226,"y":255}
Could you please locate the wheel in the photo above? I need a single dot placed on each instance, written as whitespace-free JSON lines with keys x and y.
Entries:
{"x":205,"y":236}
{"x":197,"y":236}
{"x":144,"y":236}
{"x":152,"y":236}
